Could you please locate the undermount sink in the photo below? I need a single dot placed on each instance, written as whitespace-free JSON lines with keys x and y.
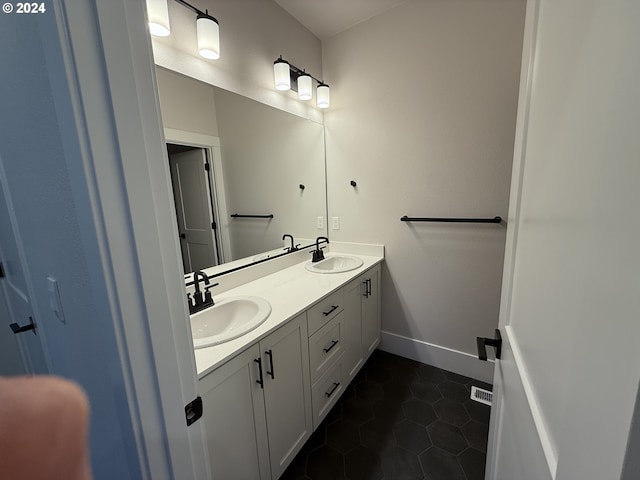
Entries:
{"x":335,"y":264}
{"x":228,"y":319}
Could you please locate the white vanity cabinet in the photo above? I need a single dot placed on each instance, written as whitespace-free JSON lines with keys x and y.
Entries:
{"x":257,"y":406}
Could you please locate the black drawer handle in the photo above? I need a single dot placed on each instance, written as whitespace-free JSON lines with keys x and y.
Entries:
{"x":333,"y":308}
{"x":335,"y":386}
{"x":260,"y":381}
{"x":270,"y":373}
{"x":333,"y":344}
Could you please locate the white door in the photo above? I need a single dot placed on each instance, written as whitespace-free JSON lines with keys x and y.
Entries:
{"x":566,"y":385}
{"x":21,"y":352}
{"x":190,"y":181}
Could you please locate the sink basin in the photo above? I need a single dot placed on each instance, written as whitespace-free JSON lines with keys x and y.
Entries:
{"x":335,"y":264}
{"x":228,"y":319}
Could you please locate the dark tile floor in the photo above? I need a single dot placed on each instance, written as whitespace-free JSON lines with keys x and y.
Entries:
{"x":399,"y":419}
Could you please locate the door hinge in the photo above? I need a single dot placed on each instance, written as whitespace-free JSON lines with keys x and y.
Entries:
{"x":193,"y":411}
{"x":1,"y":270}
{"x":206,"y":166}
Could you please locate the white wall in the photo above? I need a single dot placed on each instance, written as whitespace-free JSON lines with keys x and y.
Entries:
{"x":423,"y":112}
{"x":186,"y":104}
{"x":253,"y":33}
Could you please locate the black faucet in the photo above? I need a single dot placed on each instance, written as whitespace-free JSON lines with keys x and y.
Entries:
{"x":317,"y":253}
{"x":200,"y":300}
{"x":292,"y":248}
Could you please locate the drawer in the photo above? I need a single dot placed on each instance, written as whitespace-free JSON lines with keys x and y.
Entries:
{"x":326,"y":391}
{"x":325,"y":346}
{"x":325,"y":310}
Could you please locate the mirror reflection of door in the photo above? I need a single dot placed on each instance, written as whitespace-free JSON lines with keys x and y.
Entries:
{"x":194,"y":199}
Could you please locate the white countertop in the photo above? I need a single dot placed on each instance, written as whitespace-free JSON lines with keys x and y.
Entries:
{"x":290,"y":291}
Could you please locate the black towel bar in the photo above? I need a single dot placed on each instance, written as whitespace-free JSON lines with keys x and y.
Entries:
{"x":451,"y":220}
{"x":237,"y":215}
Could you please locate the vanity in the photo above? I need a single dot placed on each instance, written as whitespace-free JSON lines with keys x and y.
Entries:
{"x":265,"y":392}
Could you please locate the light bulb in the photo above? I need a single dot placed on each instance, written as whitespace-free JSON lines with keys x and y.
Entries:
{"x":305,"y":87}
{"x":208,"y":36}
{"x":281,"y":74}
{"x":323,"y":96}
{"x":158,"y":13}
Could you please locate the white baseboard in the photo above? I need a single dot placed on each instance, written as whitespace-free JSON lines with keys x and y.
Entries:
{"x":441,"y":357}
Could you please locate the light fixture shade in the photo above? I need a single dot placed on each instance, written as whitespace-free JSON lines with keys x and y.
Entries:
{"x":281,"y":74}
{"x":305,"y":87}
{"x":158,"y":13}
{"x":208,"y":36}
{"x":324,"y":96}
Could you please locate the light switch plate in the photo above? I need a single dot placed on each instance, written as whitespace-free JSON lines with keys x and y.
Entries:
{"x":335,"y":223}
{"x":320,"y":222}
{"x":55,"y":302}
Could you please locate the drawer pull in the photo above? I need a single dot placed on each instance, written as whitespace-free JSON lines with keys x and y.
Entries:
{"x":335,"y":386}
{"x":270,"y":373}
{"x":333,"y":344}
{"x":333,"y":308}
{"x":260,"y":381}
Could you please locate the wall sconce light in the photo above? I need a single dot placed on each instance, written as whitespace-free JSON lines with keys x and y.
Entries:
{"x":290,"y":77}
{"x":207,"y":28}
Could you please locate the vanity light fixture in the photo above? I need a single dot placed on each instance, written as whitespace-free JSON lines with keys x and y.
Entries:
{"x":290,"y":77}
{"x":158,"y":13}
{"x":207,"y":29}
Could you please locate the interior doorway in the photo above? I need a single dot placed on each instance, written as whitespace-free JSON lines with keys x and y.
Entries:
{"x":196,"y":211}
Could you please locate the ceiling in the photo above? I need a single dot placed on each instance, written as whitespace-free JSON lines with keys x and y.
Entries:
{"x":325,"y":18}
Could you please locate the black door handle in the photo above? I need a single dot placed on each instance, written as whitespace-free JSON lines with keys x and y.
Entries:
{"x":182,"y":235}
{"x":495,"y":342}
{"x":15,"y":328}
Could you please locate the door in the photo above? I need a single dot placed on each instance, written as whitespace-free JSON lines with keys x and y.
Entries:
{"x":285,"y":362}
{"x":196,"y":226}
{"x":21,"y":352}
{"x":566,"y":385}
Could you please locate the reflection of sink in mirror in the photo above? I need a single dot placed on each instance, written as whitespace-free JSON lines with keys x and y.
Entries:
{"x":335,"y":264}
{"x":228,"y":319}
{"x":270,"y":254}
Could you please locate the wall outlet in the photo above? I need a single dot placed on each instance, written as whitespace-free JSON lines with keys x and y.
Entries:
{"x":320,"y":222}
{"x":335,"y":223}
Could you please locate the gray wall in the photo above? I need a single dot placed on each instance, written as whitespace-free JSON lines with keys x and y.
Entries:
{"x":423,"y":118}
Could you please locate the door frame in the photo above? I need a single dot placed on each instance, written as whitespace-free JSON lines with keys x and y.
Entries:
{"x":211,"y":145}
{"x":120,"y":182}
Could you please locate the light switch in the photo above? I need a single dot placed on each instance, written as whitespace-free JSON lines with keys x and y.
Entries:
{"x":335,"y":223}
{"x":55,"y":302}
{"x":320,"y":222}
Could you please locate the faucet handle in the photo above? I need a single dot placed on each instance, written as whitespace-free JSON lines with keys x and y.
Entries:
{"x":207,"y":293}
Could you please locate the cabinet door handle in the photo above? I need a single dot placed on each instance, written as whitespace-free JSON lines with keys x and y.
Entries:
{"x":333,"y":307}
{"x":330,"y":392}
{"x":270,"y":373}
{"x":369,"y":287}
{"x":333,"y":344}
{"x":260,"y":381}
{"x":366,"y":289}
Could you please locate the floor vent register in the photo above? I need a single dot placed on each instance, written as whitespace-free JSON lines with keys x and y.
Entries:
{"x":482,"y":396}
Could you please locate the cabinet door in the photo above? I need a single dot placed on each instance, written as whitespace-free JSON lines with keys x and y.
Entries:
{"x":352,"y":326}
{"x":235,"y":423}
{"x":287,"y":392}
{"x":371,"y":311}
